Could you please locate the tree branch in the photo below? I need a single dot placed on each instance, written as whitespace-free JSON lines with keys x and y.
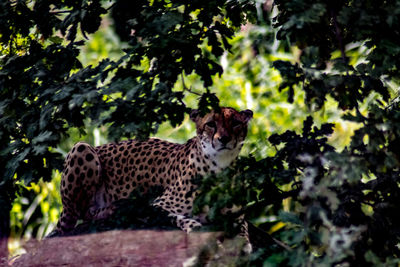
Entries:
{"x":188,"y":89}
{"x":338,"y":34}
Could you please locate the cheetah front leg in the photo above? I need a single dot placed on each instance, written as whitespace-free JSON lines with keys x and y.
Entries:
{"x":185,"y":223}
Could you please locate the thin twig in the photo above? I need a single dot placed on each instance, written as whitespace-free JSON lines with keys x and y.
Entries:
{"x":394,"y":101}
{"x":59,"y":12}
{"x":110,"y":7}
{"x":278,"y":242}
{"x":188,"y":89}
{"x":338,"y":34}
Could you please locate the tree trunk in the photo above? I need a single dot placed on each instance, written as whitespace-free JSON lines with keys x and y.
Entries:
{"x":5,"y":208}
{"x":4,"y":232}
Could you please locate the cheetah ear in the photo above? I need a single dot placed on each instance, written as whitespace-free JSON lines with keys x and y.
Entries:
{"x":247,"y":114}
{"x":194,"y":114}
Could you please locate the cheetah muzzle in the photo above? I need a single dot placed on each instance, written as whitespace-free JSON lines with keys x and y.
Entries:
{"x":95,"y":177}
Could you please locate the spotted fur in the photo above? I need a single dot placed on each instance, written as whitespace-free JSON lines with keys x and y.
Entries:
{"x":95,"y":177}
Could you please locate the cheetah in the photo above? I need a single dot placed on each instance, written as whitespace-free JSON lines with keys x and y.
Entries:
{"x":95,"y":177}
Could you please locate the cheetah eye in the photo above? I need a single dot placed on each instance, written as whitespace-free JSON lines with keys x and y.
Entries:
{"x":211,"y":124}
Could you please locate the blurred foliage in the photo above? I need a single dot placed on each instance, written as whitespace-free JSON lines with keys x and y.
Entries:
{"x":320,"y":167}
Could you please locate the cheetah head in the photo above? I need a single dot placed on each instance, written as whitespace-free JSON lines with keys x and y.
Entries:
{"x":221,"y":133}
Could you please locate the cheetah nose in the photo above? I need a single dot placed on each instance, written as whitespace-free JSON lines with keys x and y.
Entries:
{"x":224,"y":139}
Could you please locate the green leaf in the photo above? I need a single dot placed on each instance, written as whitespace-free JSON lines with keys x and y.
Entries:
{"x":289,"y":217}
{"x":45,"y":136}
